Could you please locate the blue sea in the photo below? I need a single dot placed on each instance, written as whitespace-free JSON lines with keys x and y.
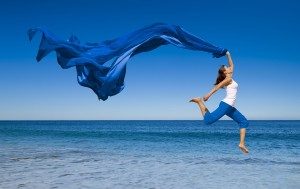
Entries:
{"x":148,"y":154}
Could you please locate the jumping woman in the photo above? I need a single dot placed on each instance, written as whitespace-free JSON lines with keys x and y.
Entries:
{"x":226,"y":106}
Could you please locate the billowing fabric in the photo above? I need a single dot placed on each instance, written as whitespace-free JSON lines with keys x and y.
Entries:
{"x":89,"y":57}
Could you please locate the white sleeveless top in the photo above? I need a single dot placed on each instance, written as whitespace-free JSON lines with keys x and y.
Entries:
{"x":231,"y":91}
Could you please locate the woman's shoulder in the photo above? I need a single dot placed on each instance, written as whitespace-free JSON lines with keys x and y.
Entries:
{"x":228,"y":80}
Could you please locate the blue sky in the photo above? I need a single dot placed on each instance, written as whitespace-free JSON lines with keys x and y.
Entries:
{"x":262,"y":36}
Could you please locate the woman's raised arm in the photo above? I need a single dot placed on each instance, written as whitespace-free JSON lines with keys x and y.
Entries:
{"x":230,"y":61}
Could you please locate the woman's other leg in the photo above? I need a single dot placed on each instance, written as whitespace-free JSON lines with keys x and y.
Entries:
{"x":243,"y":123}
{"x":242,"y":140}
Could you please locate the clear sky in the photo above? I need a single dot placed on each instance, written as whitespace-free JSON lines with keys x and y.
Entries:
{"x":262,"y":36}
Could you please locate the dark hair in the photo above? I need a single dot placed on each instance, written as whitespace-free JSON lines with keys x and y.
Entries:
{"x":221,"y":75}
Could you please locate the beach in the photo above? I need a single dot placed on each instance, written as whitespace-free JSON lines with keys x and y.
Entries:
{"x":148,"y":154}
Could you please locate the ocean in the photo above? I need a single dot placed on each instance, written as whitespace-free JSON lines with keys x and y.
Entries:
{"x":148,"y":154}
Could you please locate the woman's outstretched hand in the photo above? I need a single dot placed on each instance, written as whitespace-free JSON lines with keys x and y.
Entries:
{"x":227,"y":53}
{"x":205,"y":98}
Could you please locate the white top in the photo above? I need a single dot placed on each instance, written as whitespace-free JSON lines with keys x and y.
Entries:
{"x":231,"y":91}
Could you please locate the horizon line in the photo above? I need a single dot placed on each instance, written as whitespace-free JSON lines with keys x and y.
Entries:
{"x":140,"y":120}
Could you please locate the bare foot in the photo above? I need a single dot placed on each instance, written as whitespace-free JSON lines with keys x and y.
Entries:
{"x":197,"y":99}
{"x":243,"y":147}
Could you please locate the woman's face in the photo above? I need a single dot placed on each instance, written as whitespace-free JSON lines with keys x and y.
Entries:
{"x":227,"y":70}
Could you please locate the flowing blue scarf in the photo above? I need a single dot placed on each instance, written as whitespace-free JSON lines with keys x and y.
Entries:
{"x":89,"y":57}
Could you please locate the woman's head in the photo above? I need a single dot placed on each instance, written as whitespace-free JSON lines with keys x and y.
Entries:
{"x":221,"y":74}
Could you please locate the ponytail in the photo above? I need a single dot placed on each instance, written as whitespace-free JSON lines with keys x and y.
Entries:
{"x":221,"y":75}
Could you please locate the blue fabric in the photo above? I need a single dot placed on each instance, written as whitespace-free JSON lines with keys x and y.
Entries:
{"x":226,"y":109}
{"x":89,"y":57}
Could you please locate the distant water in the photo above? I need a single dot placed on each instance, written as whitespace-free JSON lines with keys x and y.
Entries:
{"x":148,"y":154}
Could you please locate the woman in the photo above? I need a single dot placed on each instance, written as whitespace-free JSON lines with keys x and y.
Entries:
{"x":226,"y":106}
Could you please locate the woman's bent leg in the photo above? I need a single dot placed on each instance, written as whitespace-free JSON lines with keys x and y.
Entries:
{"x":211,"y":117}
{"x":200,"y":104}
